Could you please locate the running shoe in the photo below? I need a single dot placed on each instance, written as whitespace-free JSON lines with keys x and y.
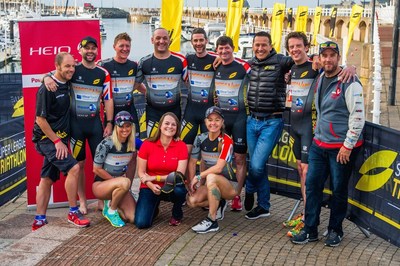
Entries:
{"x":174,"y":222}
{"x":206,"y":226}
{"x":295,"y":221}
{"x":303,"y":237}
{"x":77,"y":218}
{"x":333,"y":239}
{"x":105,"y":207}
{"x":114,"y":219}
{"x":236,"y":204}
{"x":256,"y":213}
{"x":221,"y":209}
{"x":38,"y":224}
{"x":296,"y":230}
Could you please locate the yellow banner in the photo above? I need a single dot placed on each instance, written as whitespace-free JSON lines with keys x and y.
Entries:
{"x":317,"y":22}
{"x":171,"y":20}
{"x":234,"y":21}
{"x":301,"y":18}
{"x":277,"y":26}
{"x":356,"y":12}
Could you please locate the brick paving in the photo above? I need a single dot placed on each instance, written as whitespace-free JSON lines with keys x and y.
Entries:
{"x":239,"y":241}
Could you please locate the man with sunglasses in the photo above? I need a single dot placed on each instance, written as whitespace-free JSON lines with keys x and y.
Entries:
{"x":340,"y":120}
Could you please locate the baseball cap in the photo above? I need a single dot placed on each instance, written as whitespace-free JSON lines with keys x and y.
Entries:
{"x":214,"y":110}
{"x":329,"y":45}
{"x":123,"y":117}
{"x":87,"y":40}
{"x":173,"y":179}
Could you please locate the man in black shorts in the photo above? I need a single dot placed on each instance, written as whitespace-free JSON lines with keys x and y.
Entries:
{"x":163,"y":73}
{"x":231,"y":80}
{"x":201,"y":84}
{"x":50,"y":135}
{"x":90,"y":86}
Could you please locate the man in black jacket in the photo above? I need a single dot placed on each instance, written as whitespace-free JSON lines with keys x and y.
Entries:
{"x":266,"y":100}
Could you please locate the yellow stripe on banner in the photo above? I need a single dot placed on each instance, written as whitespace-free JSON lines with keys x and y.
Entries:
{"x":350,"y":201}
{"x":13,"y":186}
{"x":360,"y":206}
{"x":385,"y":219}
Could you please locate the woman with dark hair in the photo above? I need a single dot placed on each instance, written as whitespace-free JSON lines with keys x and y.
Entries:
{"x":217,"y":181}
{"x":114,"y":156}
{"x":159,"y":156}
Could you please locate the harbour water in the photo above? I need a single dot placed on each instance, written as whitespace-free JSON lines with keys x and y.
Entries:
{"x":141,"y":43}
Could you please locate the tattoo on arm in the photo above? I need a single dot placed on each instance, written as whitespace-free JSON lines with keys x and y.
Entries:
{"x":215,"y":192}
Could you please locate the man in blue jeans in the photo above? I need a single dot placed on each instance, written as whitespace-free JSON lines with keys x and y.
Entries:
{"x":266,"y":99}
{"x":340,"y":121}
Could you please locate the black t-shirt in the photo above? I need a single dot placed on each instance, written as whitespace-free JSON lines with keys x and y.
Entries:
{"x":55,"y":107}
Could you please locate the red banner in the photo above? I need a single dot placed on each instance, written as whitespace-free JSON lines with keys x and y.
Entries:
{"x":40,"y":42}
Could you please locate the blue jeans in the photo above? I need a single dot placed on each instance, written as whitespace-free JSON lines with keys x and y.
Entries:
{"x":262,"y":136}
{"x":148,"y":203}
{"x":321,"y":164}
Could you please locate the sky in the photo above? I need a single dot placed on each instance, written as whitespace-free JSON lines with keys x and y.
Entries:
{"x":189,"y":3}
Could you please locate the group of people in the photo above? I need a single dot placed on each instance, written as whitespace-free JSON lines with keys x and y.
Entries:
{"x":236,"y":106}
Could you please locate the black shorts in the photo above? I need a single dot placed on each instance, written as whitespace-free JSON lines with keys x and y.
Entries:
{"x":192,"y":121}
{"x":302,"y":141}
{"x":153,"y":116}
{"x":82,"y":130}
{"x":235,"y":125}
{"x":51,"y":165}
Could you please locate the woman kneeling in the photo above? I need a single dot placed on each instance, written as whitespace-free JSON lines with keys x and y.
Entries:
{"x":214,"y":149}
{"x":115,"y":159}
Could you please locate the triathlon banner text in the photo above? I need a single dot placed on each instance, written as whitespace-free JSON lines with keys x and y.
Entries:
{"x":38,"y":51}
{"x":12,"y":138}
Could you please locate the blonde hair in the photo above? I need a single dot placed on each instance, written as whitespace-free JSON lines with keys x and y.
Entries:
{"x":131,"y":139}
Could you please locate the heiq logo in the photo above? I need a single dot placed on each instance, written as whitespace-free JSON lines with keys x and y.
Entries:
{"x":49,"y":50}
{"x":370,"y":181}
{"x":171,"y":69}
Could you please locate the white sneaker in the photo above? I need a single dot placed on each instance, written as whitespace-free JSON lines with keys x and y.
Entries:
{"x":205,"y":226}
{"x":221,"y":209}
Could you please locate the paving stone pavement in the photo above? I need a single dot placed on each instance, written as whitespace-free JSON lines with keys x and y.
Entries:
{"x":239,"y":241}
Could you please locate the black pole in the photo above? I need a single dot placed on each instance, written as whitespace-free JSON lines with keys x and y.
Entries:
{"x":373,"y":21}
{"x":395,"y":54}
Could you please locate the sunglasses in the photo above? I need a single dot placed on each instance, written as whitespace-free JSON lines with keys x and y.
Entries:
{"x":328,"y":45}
{"x":123,"y":118}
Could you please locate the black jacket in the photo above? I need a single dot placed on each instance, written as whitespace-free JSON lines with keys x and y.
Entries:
{"x":267,"y":89}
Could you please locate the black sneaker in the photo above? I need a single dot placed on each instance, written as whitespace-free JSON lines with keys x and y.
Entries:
{"x":206,"y":226}
{"x":303,"y":237}
{"x":249,"y":201}
{"x":256,"y":213}
{"x":333,"y":239}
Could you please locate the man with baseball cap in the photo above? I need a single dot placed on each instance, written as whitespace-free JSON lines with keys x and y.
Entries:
{"x":90,"y":85}
{"x":340,"y":120}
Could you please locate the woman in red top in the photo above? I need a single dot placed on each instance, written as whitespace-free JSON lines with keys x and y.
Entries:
{"x":158,"y":156}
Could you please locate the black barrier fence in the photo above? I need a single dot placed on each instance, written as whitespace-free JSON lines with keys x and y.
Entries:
{"x":374,"y":188}
{"x":12,"y":139}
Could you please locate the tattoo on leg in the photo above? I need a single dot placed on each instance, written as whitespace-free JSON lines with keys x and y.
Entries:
{"x":215,"y":192}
